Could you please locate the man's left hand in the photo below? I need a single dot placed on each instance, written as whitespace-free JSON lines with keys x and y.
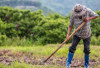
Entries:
{"x":86,"y":19}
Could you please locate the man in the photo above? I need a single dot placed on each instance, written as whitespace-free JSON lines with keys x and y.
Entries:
{"x":80,"y":14}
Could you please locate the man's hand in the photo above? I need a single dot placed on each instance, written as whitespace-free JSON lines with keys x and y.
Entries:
{"x":90,"y":18}
{"x":86,"y":19}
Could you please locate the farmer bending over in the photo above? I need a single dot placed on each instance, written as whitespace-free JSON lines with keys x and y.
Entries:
{"x":80,"y":14}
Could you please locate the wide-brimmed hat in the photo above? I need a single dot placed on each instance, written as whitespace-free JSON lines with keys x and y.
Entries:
{"x":79,"y":10}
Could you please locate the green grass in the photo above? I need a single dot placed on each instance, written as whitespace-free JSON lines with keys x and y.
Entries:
{"x":45,"y":51}
{"x":48,"y":49}
{"x":38,"y":50}
{"x":23,"y":65}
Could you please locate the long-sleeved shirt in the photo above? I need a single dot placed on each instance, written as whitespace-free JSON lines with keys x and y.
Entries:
{"x":85,"y":31}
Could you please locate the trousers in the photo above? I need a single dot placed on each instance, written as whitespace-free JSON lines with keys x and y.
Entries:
{"x":75,"y":42}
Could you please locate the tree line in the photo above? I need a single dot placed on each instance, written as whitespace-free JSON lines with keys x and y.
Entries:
{"x":37,"y":27}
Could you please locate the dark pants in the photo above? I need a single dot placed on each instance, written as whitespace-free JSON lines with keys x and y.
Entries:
{"x":76,"y":40}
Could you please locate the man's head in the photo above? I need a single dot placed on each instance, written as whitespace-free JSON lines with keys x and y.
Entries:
{"x":79,"y":10}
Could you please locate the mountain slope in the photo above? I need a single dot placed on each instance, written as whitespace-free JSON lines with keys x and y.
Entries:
{"x":64,"y":6}
{"x":25,"y":4}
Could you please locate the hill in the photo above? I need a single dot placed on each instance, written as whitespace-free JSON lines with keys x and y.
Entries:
{"x":32,"y":5}
{"x":64,"y":6}
{"x":60,"y":6}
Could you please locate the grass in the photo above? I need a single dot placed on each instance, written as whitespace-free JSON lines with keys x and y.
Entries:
{"x":23,"y":65}
{"x":50,"y":48}
{"x":45,"y":51}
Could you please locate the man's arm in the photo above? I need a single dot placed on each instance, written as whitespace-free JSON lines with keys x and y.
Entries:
{"x":70,"y":26}
{"x":69,"y":31}
{"x":90,"y":18}
{"x":92,"y":15}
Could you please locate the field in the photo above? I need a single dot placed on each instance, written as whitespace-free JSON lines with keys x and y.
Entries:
{"x":32,"y":56}
{"x":27,"y":38}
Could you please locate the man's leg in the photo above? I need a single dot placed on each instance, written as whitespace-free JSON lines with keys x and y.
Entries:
{"x":86,"y":51}
{"x":72,"y":49}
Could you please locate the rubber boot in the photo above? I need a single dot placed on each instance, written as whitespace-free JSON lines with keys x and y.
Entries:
{"x":86,"y":58}
{"x":69,"y":59}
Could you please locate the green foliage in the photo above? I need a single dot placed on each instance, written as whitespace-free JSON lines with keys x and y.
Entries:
{"x":2,"y":39}
{"x":95,"y":25}
{"x":95,"y":40}
{"x":3,"y":27}
{"x":37,"y":27}
{"x":52,"y":29}
{"x":16,"y":41}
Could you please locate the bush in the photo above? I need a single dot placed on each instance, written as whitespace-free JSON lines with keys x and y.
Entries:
{"x":95,"y":40}
{"x":2,"y":39}
{"x":39,"y":28}
{"x":98,"y":41}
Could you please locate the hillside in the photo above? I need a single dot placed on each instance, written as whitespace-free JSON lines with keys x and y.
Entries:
{"x":25,"y":4}
{"x":64,"y":6}
{"x":61,"y":6}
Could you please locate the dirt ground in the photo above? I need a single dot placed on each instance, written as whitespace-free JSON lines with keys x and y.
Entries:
{"x":7,"y":57}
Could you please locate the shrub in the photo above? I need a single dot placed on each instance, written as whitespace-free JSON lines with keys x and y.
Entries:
{"x":39,"y":28}
{"x":2,"y":39}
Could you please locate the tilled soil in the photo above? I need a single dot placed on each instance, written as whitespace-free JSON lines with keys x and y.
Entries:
{"x":7,"y":57}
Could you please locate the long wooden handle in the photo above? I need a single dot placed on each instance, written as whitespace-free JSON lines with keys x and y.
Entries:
{"x":64,"y":42}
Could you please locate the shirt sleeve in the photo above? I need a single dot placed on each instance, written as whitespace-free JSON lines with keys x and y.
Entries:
{"x":71,"y":21}
{"x":92,"y":13}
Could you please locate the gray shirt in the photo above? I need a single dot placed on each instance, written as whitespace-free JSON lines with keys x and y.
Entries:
{"x":85,"y":31}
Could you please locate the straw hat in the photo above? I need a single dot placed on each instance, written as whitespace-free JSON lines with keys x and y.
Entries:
{"x":79,"y":10}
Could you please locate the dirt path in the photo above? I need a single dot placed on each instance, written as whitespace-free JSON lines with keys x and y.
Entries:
{"x":7,"y":57}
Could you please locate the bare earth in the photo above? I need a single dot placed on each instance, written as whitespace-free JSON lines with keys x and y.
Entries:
{"x":7,"y":57}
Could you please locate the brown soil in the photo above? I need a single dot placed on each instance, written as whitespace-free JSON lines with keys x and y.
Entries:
{"x":7,"y":57}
